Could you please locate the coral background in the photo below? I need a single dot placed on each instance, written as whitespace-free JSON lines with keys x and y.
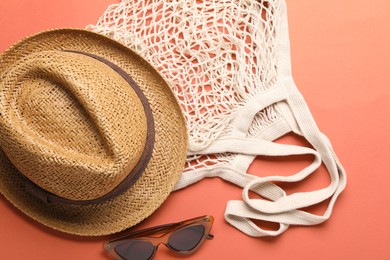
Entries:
{"x":341,"y":64}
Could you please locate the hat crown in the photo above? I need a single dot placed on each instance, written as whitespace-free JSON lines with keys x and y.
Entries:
{"x":71,"y":124}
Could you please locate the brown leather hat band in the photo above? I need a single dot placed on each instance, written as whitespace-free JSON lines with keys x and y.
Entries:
{"x":137,"y":171}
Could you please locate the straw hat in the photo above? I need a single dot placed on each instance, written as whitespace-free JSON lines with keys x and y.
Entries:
{"x":92,"y":138}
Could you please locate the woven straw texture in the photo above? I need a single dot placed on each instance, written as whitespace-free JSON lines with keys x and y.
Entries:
{"x":61,"y":117}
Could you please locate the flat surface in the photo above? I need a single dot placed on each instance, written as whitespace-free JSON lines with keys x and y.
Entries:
{"x":341,"y":61}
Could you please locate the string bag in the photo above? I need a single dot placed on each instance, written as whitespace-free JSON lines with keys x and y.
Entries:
{"x":228,"y":62}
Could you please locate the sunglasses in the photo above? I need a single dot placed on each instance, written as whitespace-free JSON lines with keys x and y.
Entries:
{"x":183,"y":237}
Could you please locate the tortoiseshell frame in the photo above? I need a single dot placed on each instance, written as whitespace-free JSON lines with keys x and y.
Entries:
{"x":160,"y":234}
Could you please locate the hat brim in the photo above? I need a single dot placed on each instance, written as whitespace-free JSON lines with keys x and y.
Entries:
{"x":162,"y":172}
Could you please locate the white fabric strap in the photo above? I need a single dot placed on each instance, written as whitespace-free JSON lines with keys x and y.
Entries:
{"x":241,"y":213}
{"x":244,"y":117}
{"x":251,"y":147}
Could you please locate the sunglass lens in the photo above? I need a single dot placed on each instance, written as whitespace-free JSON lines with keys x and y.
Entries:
{"x":187,"y":238}
{"x":135,"y":250}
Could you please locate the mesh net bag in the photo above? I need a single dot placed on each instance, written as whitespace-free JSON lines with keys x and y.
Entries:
{"x":228,"y":62}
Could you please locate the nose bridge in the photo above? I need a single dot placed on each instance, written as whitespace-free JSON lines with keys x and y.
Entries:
{"x":161,"y":239}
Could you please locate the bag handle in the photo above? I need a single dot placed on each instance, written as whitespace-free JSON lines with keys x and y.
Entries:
{"x":240,"y":213}
{"x":282,"y":208}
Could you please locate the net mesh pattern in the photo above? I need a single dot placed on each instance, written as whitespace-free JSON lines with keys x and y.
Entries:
{"x":215,"y":55}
